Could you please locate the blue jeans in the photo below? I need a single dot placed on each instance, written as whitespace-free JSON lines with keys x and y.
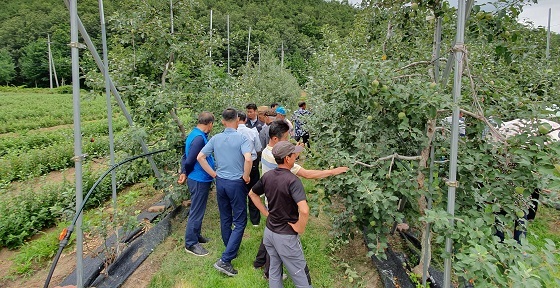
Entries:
{"x":199,"y":198}
{"x":232,"y":203}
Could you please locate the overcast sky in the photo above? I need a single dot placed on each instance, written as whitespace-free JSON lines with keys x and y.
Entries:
{"x":536,"y":13}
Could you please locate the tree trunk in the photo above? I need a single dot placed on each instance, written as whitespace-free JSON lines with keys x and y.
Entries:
{"x":422,"y":203}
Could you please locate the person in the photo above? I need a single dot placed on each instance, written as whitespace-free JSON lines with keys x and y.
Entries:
{"x":261,"y":111}
{"x":287,"y":217}
{"x":273,"y":106}
{"x":253,"y":136}
{"x":279,"y":131}
{"x":252,"y":119}
{"x":299,"y":131}
{"x":281,"y":115}
{"x":270,"y":115}
{"x":232,"y":152}
{"x":198,"y":182}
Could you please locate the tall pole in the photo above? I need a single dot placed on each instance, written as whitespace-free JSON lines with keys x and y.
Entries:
{"x":50,"y":59}
{"x":228,"y":65}
{"x":437,"y":49}
{"x":210,"y":36}
{"x":248,"y":45}
{"x":78,"y":157}
{"x":548,"y":35}
{"x":171,"y":14}
{"x":452,"y":183}
{"x":114,"y":90}
{"x":282,"y":56}
{"x":109,"y":112}
{"x":447,"y":70}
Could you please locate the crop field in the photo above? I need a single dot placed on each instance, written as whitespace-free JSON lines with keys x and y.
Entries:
{"x":36,"y":138}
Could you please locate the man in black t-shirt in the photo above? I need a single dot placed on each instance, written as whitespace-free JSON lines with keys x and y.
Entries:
{"x":287,"y":216}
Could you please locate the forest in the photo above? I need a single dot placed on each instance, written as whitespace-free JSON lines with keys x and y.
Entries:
{"x":25,"y":26}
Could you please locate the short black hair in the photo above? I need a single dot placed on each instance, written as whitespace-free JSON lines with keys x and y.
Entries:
{"x":301,"y":104}
{"x":242,"y":116}
{"x":229,"y":115}
{"x":251,"y":106}
{"x":278,"y":128}
{"x":273,"y":104}
{"x":205,"y":118}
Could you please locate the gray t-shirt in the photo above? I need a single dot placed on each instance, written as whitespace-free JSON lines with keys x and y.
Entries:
{"x":283,"y":190}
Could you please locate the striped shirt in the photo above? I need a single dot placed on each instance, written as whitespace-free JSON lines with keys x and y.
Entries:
{"x":269,"y":163}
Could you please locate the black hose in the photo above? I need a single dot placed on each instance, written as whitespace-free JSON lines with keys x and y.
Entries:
{"x":70,"y":229}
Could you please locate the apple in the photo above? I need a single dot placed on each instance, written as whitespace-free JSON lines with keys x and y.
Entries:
{"x":372,"y":223}
{"x":401,"y":115}
{"x":414,"y":6}
{"x":369,"y":118}
{"x":433,"y":85}
{"x":384,"y":88}
{"x":545,"y":128}
{"x":375,"y":83}
{"x":92,"y":140}
{"x":519,"y":190}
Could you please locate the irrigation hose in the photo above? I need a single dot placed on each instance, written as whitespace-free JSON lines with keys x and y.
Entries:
{"x":64,"y":236}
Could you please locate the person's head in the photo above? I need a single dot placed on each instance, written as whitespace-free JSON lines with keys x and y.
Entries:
{"x":281,"y":112}
{"x":302,"y":105}
{"x":205,"y":121}
{"x":251,"y":111}
{"x":274,"y":105}
{"x":278,"y":131}
{"x":286,"y":153}
{"x":270,"y":115}
{"x":229,"y":117}
{"x":261,"y":110}
{"x":242,"y":117}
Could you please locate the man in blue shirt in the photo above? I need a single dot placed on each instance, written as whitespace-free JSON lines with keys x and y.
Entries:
{"x":232,"y":152}
{"x":198,"y":182}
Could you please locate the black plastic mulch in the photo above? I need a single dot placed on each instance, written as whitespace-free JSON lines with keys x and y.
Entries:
{"x":139,"y":248}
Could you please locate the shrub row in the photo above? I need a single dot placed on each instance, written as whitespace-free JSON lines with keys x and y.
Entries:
{"x":20,"y":166}
{"x":25,"y":111}
{"x":28,"y":212}
{"x":16,"y":144}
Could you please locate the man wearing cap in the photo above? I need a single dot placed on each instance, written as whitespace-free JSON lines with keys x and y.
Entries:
{"x":232,"y":152}
{"x":287,"y":214}
{"x":252,"y":119}
{"x":279,"y":131}
{"x":261,"y":111}
{"x":270,"y":115}
{"x":281,"y":115}
{"x":253,"y":136}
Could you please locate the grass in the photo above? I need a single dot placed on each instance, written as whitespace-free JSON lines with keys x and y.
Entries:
{"x":546,"y":226}
{"x":185,"y":270}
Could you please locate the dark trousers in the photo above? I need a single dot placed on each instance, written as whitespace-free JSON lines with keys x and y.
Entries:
{"x":232,"y":203}
{"x":304,"y":138}
{"x":254,"y":213}
{"x":519,"y":228}
{"x":199,"y":197}
{"x":262,"y":259}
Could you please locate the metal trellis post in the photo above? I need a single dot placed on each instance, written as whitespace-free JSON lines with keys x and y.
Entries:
{"x":452,"y":183}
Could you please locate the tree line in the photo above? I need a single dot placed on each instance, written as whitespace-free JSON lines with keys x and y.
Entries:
{"x":25,"y":25}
